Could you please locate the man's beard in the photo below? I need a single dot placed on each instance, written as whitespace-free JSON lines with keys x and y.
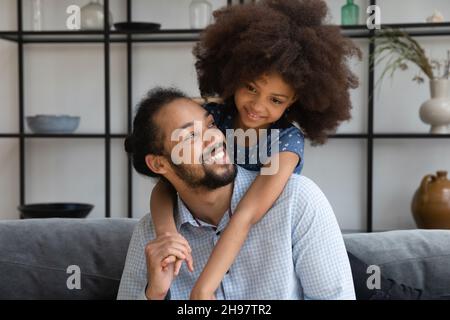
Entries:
{"x":210,"y":180}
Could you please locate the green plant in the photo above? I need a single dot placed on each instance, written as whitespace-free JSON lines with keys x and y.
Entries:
{"x":400,"y":49}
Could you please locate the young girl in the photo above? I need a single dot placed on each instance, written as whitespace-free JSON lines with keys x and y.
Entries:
{"x":274,"y":64}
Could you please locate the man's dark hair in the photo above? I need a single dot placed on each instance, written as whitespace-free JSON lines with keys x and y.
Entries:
{"x":147,"y":136}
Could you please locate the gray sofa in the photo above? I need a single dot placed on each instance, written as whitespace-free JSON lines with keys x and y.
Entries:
{"x":35,"y":255}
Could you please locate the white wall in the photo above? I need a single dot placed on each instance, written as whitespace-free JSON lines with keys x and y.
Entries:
{"x":68,"y":78}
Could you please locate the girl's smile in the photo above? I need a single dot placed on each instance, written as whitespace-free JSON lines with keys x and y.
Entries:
{"x":253,"y":116}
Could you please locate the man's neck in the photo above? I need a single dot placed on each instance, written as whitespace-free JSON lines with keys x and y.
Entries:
{"x":207,"y":205}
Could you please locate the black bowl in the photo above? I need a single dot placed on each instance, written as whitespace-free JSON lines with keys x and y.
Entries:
{"x":137,"y":26}
{"x":55,"y":210}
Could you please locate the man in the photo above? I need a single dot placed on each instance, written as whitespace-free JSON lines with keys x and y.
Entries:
{"x":295,"y":252}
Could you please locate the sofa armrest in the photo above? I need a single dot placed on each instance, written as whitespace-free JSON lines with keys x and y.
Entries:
{"x":36,"y":253}
{"x":418,"y":258}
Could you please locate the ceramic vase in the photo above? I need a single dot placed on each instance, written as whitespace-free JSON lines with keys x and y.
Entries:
{"x":436,"y":111}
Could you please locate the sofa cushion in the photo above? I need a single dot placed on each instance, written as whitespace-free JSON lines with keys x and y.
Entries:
{"x":417,"y":258}
{"x":36,"y":253}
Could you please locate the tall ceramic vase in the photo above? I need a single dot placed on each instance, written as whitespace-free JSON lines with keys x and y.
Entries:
{"x":436,"y":111}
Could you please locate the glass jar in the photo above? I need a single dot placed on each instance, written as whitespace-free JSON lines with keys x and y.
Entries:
{"x":200,"y":14}
{"x":349,"y":13}
{"x":92,"y":16}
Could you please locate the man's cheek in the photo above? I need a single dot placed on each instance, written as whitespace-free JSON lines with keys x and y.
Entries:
{"x":182,"y":153}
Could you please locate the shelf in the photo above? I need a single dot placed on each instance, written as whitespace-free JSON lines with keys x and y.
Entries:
{"x":410,"y":136}
{"x":173,"y":35}
{"x":422,"y":29}
{"x":391,"y":136}
{"x":191,"y":35}
{"x":348,"y":136}
{"x":104,"y":38}
{"x":68,"y":135}
{"x":334,"y":136}
{"x":413,"y":29}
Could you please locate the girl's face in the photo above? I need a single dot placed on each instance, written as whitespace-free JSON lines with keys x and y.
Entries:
{"x":263,"y":101}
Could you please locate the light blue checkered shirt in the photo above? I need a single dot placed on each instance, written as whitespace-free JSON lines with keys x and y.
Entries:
{"x":295,"y":252}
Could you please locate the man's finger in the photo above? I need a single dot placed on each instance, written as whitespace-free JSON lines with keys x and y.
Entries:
{"x":168,"y":260}
{"x":190,"y":262}
{"x":177,"y":267}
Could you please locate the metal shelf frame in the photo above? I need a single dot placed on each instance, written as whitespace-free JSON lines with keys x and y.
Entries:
{"x":107,"y":36}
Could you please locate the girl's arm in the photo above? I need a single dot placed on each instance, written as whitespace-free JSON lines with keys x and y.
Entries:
{"x":161,"y":208}
{"x":258,"y":199}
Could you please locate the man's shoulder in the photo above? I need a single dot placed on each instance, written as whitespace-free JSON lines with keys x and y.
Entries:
{"x":302,"y":186}
{"x":298,"y":186}
{"x":144,"y":228}
{"x":303,"y":190}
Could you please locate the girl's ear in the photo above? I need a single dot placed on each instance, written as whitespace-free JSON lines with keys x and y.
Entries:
{"x":156,"y":163}
{"x":294,"y":100}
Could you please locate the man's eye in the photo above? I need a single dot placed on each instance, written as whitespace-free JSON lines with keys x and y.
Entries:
{"x":191,"y":135}
{"x":212,"y":125}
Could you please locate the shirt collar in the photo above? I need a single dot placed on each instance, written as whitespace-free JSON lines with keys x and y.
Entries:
{"x":183,"y":215}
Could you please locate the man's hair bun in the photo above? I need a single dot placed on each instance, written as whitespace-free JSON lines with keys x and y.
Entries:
{"x":129,"y":144}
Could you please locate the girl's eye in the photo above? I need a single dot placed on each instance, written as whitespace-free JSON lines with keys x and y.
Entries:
{"x":251,"y":88}
{"x":276,"y":101}
{"x":212,"y":125}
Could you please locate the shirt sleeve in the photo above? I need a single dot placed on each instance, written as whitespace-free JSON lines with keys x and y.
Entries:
{"x":319,"y":254}
{"x":134,"y":277}
{"x":289,"y":140}
{"x":143,"y":295}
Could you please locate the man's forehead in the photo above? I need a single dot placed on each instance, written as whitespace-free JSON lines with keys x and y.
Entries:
{"x":183,"y":108}
{"x":182,"y":111}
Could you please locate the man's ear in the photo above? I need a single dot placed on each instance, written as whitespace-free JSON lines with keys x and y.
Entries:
{"x":156,"y":163}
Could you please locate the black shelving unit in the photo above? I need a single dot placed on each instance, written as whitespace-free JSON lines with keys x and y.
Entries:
{"x":107,"y":36}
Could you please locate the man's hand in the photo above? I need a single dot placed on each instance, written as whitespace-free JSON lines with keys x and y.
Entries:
{"x":160,"y":277}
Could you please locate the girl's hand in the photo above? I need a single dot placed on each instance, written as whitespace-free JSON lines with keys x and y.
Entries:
{"x":178,"y":262}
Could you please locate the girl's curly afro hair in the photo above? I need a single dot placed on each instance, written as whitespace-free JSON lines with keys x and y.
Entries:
{"x":288,"y":37}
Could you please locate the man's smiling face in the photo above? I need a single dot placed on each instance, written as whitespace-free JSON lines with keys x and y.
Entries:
{"x":198,"y":141}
